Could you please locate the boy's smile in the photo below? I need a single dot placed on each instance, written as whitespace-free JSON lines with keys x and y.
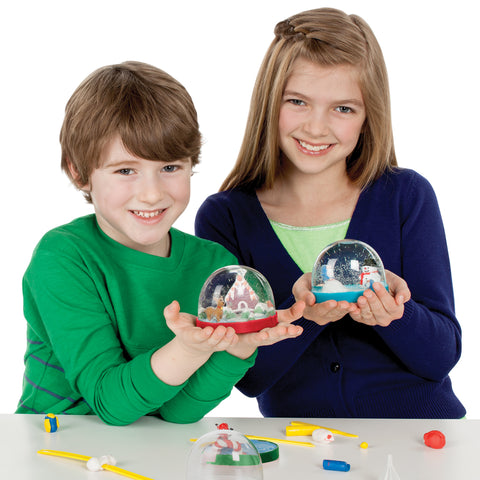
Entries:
{"x":147,"y":214}
{"x":136,"y":201}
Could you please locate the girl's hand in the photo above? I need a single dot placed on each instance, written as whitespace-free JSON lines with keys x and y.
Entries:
{"x":197,"y":340}
{"x":373,"y":308}
{"x":321,"y":313}
{"x":248,"y":342}
{"x":380,"y":307}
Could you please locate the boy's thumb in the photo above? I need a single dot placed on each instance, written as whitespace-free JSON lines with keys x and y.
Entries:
{"x":171,"y":310}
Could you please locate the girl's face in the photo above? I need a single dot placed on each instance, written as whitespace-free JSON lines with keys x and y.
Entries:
{"x":136,"y":200}
{"x":321,"y":117}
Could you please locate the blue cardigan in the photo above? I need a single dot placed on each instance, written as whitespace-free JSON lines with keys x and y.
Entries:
{"x":347,"y":369}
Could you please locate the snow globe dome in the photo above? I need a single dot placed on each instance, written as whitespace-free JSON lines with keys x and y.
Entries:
{"x":239,"y":297}
{"x":224,"y":454}
{"x":344,"y":270}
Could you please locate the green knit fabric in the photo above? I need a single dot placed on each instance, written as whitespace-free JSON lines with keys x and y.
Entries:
{"x":94,"y":311}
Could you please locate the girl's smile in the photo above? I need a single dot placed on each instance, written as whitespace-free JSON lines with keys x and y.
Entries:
{"x":310,"y":149}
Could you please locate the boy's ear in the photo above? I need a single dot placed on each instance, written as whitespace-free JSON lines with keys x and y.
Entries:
{"x":76,"y":176}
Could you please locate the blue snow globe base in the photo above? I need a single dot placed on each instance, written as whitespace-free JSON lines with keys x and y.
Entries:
{"x":344,"y":270}
{"x":351,"y":296}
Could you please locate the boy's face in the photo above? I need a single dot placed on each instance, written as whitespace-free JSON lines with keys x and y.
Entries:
{"x":136,"y":201}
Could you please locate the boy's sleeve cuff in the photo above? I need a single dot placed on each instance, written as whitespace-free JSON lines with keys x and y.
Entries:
{"x":148,"y":386}
{"x":236,"y":366}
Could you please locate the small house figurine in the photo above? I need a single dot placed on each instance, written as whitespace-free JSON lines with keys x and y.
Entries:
{"x":239,"y":297}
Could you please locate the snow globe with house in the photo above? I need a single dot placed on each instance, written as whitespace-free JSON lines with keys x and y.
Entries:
{"x":344,"y":270}
{"x":239,"y":297}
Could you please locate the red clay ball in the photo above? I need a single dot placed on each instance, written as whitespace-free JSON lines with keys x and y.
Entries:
{"x":434,"y":439}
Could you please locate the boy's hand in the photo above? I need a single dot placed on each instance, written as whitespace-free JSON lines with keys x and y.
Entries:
{"x":248,"y":342}
{"x":380,"y":307}
{"x":196,"y":340}
{"x":191,"y":347}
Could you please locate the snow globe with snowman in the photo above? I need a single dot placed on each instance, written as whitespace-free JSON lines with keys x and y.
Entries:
{"x":239,"y":297}
{"x":345,"y":269}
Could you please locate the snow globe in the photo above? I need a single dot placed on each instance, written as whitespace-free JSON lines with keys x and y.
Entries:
{"x":224,"y":454}
{"x":239,"y":297}
{"x":344,"y":270}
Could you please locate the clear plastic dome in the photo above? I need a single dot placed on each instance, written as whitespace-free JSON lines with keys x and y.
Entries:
{"x":239,"y":297}
{"x":344,"y":269}
{"x":224,"y":455}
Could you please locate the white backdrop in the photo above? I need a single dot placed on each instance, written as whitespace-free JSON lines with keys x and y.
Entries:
{"x":215,"y":48}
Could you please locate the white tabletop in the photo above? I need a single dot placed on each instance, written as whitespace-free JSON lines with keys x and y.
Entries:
{"x":159,"y":450}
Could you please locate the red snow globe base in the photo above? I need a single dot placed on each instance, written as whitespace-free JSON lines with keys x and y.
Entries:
{"x":239,"y":297}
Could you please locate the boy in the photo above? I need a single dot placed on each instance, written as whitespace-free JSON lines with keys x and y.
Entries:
{"x":96,"y":288}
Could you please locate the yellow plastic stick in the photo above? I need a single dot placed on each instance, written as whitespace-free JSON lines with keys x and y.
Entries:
{"x":275,"y":440}
{"x":300,"y":430}
{"x":125,"y":473}
{"x":281,"y":440}
{"x":58,"y":453}
{"x":308,"y":428}
{"x":84,"y":458}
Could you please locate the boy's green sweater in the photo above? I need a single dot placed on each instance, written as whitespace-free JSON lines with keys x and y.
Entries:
{"x":94,"y":310}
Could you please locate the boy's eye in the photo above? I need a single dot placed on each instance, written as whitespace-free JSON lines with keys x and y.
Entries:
{"x":343,"y":109}
{"x":125,"y":171}
{"x":170,"y":168}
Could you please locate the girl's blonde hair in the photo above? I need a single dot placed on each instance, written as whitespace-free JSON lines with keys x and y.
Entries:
{"x":150,"y":110}
{"x":327,"y":37}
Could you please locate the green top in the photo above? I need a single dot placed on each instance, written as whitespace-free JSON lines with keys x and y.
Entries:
{"x":304,"y":244}
{"x":94,"y":310}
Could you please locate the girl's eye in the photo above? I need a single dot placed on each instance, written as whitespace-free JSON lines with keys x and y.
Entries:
{"x":343,"y":109}
{"x":170,"y":168}
{"x":296,"y":101}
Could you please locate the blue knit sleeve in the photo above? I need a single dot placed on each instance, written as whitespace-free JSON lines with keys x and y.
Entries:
{"x":427,"y":339}
{"x":214,"y":221}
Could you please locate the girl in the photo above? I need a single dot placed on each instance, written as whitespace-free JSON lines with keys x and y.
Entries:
{"x":317,"y":164}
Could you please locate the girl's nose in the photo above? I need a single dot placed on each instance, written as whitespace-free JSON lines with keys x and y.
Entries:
{"x":316,"y":125}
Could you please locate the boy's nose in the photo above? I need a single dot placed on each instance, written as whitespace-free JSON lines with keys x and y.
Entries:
{"x":150,"y":190}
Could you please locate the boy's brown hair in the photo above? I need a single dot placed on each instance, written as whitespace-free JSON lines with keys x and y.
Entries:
{"x":150,"y":110}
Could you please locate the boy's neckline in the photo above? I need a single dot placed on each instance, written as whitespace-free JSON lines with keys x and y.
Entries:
{"x":142,"y":259}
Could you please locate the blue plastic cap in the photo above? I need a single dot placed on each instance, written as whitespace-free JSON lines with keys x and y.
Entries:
{"x":336,"y":465}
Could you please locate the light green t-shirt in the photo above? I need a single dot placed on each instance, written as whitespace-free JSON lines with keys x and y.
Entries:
{"x":304,"y":244}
